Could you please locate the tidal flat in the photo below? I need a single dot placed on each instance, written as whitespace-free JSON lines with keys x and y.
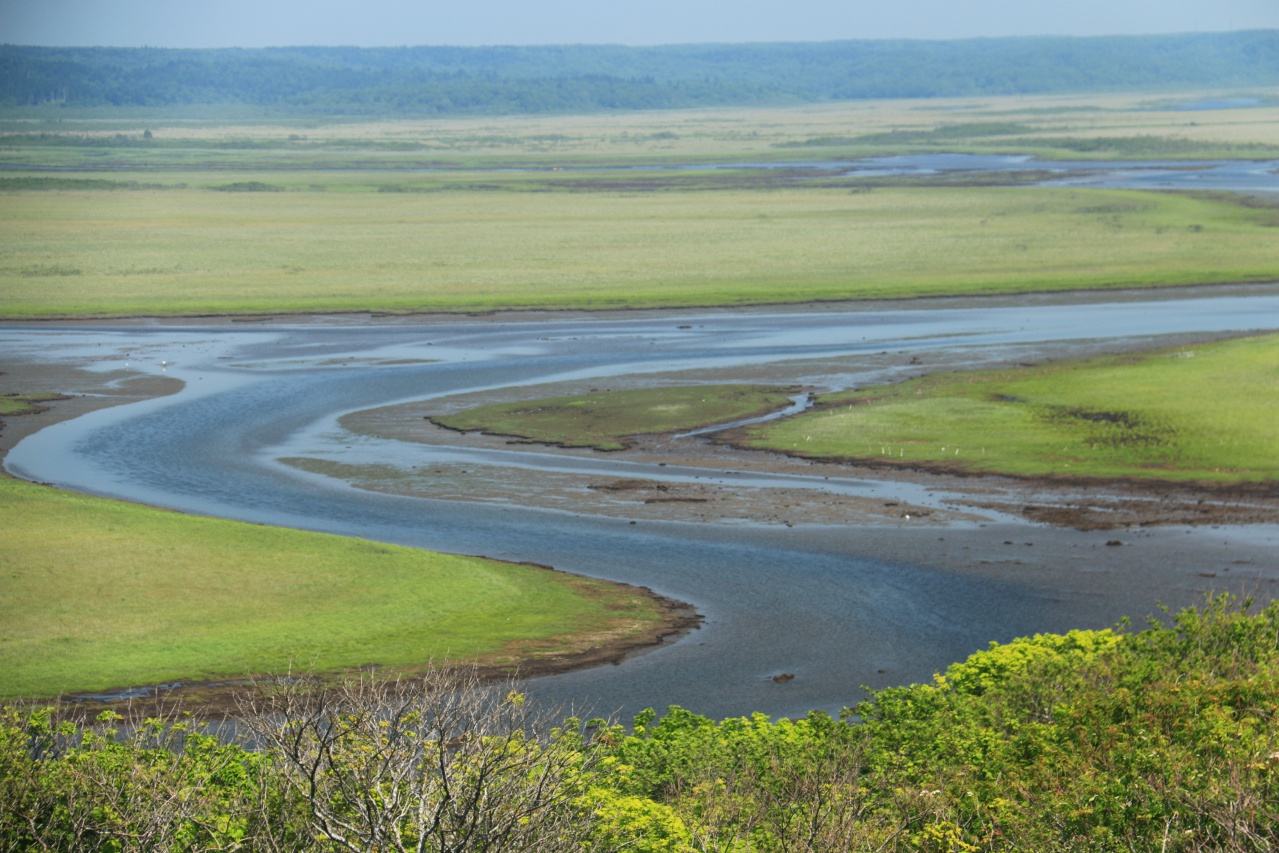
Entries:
{"x":896,"y":576}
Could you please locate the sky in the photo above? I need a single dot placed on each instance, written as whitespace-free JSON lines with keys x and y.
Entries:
{"x":371,"y":23}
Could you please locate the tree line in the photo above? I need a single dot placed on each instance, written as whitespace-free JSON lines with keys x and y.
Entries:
{"x":586,"y":78}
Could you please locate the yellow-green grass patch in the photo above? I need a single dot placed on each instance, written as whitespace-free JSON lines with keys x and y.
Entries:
{"x":97,"y":594}
{"x":1205,"y":413}
{"x":1094,"y":125}
{"x":194,"y":251}
{"x":26,"y":404}
{"x":606,"y":420}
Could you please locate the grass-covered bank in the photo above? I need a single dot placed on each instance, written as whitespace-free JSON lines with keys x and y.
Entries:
{"x":1205,"y":413}
{"x":1160,"y":741}
{"x":192,"y":252}
{"x":25,"y":404}
{"x":98,"y":594}
{"x":608,"y":420}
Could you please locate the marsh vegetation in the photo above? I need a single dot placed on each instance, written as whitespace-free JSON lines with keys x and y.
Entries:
{"x":610,"y":420}
{"x":187,"y":252}
{"x":1202,"y":413}
{"x":642,"y":210}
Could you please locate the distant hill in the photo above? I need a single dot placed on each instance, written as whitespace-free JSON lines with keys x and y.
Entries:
{"x":589,"y":78}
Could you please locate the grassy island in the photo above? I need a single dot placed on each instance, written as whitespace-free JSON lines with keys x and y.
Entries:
{"x":1203,"y":413}
{"x":608,"y":420}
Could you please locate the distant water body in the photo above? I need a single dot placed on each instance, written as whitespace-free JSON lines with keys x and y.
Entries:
{"x":1234,"y":175}
{"x":1237,"y":175}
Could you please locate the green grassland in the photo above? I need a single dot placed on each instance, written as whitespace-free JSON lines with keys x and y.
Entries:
{"x":25,"y":404}
{"x":607,"y":420}
{"x":194,"y":251}
{"x":1205,"y":413}
{"x":128,"y":214}
{"x":97,"y":594}
{"x":153,"y":143}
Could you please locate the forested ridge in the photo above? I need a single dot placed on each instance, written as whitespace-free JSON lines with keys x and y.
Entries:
{"x":585,"y":78}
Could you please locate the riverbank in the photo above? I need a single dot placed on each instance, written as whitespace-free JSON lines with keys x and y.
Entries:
{"x":611,"y":645}
{"x":616,"y":620}
{"x":933,"y":494}
{"x":1081,"y":503}
{"x":1076,"y":503}
{"x":792,"y":593}
{"x":472,"y":250}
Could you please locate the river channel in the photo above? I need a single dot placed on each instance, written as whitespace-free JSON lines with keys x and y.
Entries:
{"x":1253,"y":176}
{"x":838,"y":606}
{"x":1233,"y":175}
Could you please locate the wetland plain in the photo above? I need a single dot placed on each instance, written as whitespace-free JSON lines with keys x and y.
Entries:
{"x":295,"y":411}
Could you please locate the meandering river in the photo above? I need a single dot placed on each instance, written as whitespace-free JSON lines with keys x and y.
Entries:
{"x":838,"y":606}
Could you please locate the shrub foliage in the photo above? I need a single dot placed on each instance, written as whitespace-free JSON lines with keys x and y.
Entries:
{"x":1162,"y":739}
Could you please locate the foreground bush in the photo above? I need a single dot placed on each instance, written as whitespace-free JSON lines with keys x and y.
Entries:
{"x":1159,"y":740}
{"x":445,"y":763}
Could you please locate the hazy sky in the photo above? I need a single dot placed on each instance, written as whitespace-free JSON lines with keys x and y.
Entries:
{"x":258,"y":23}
